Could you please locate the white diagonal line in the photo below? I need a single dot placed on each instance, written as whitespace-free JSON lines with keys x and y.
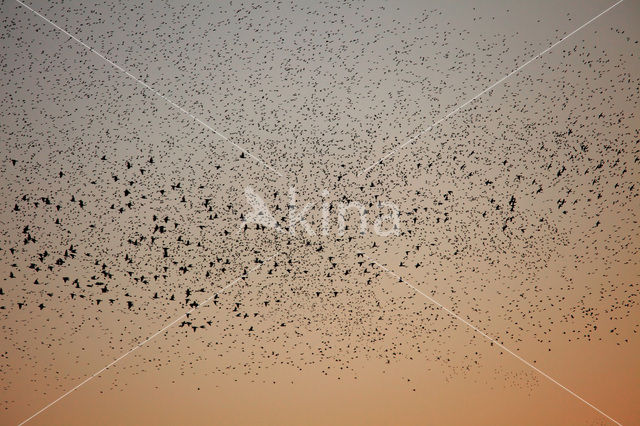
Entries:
{"x":146,"y":86}
{"x":139,"y":345}
{"x":476,"y":329}
{"x":459,"y":107}
{"x":198,"y":120}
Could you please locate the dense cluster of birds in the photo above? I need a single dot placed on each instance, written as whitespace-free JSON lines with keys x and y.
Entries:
{"x":120,"y":214}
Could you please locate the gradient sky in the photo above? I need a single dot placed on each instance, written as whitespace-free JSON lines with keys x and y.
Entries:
{"x":518,"y":213}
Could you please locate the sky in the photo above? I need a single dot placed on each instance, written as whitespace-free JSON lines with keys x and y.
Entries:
{"x":494,"y":144}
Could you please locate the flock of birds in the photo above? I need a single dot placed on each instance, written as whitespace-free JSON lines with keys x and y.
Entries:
{"x":120,"y":214}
